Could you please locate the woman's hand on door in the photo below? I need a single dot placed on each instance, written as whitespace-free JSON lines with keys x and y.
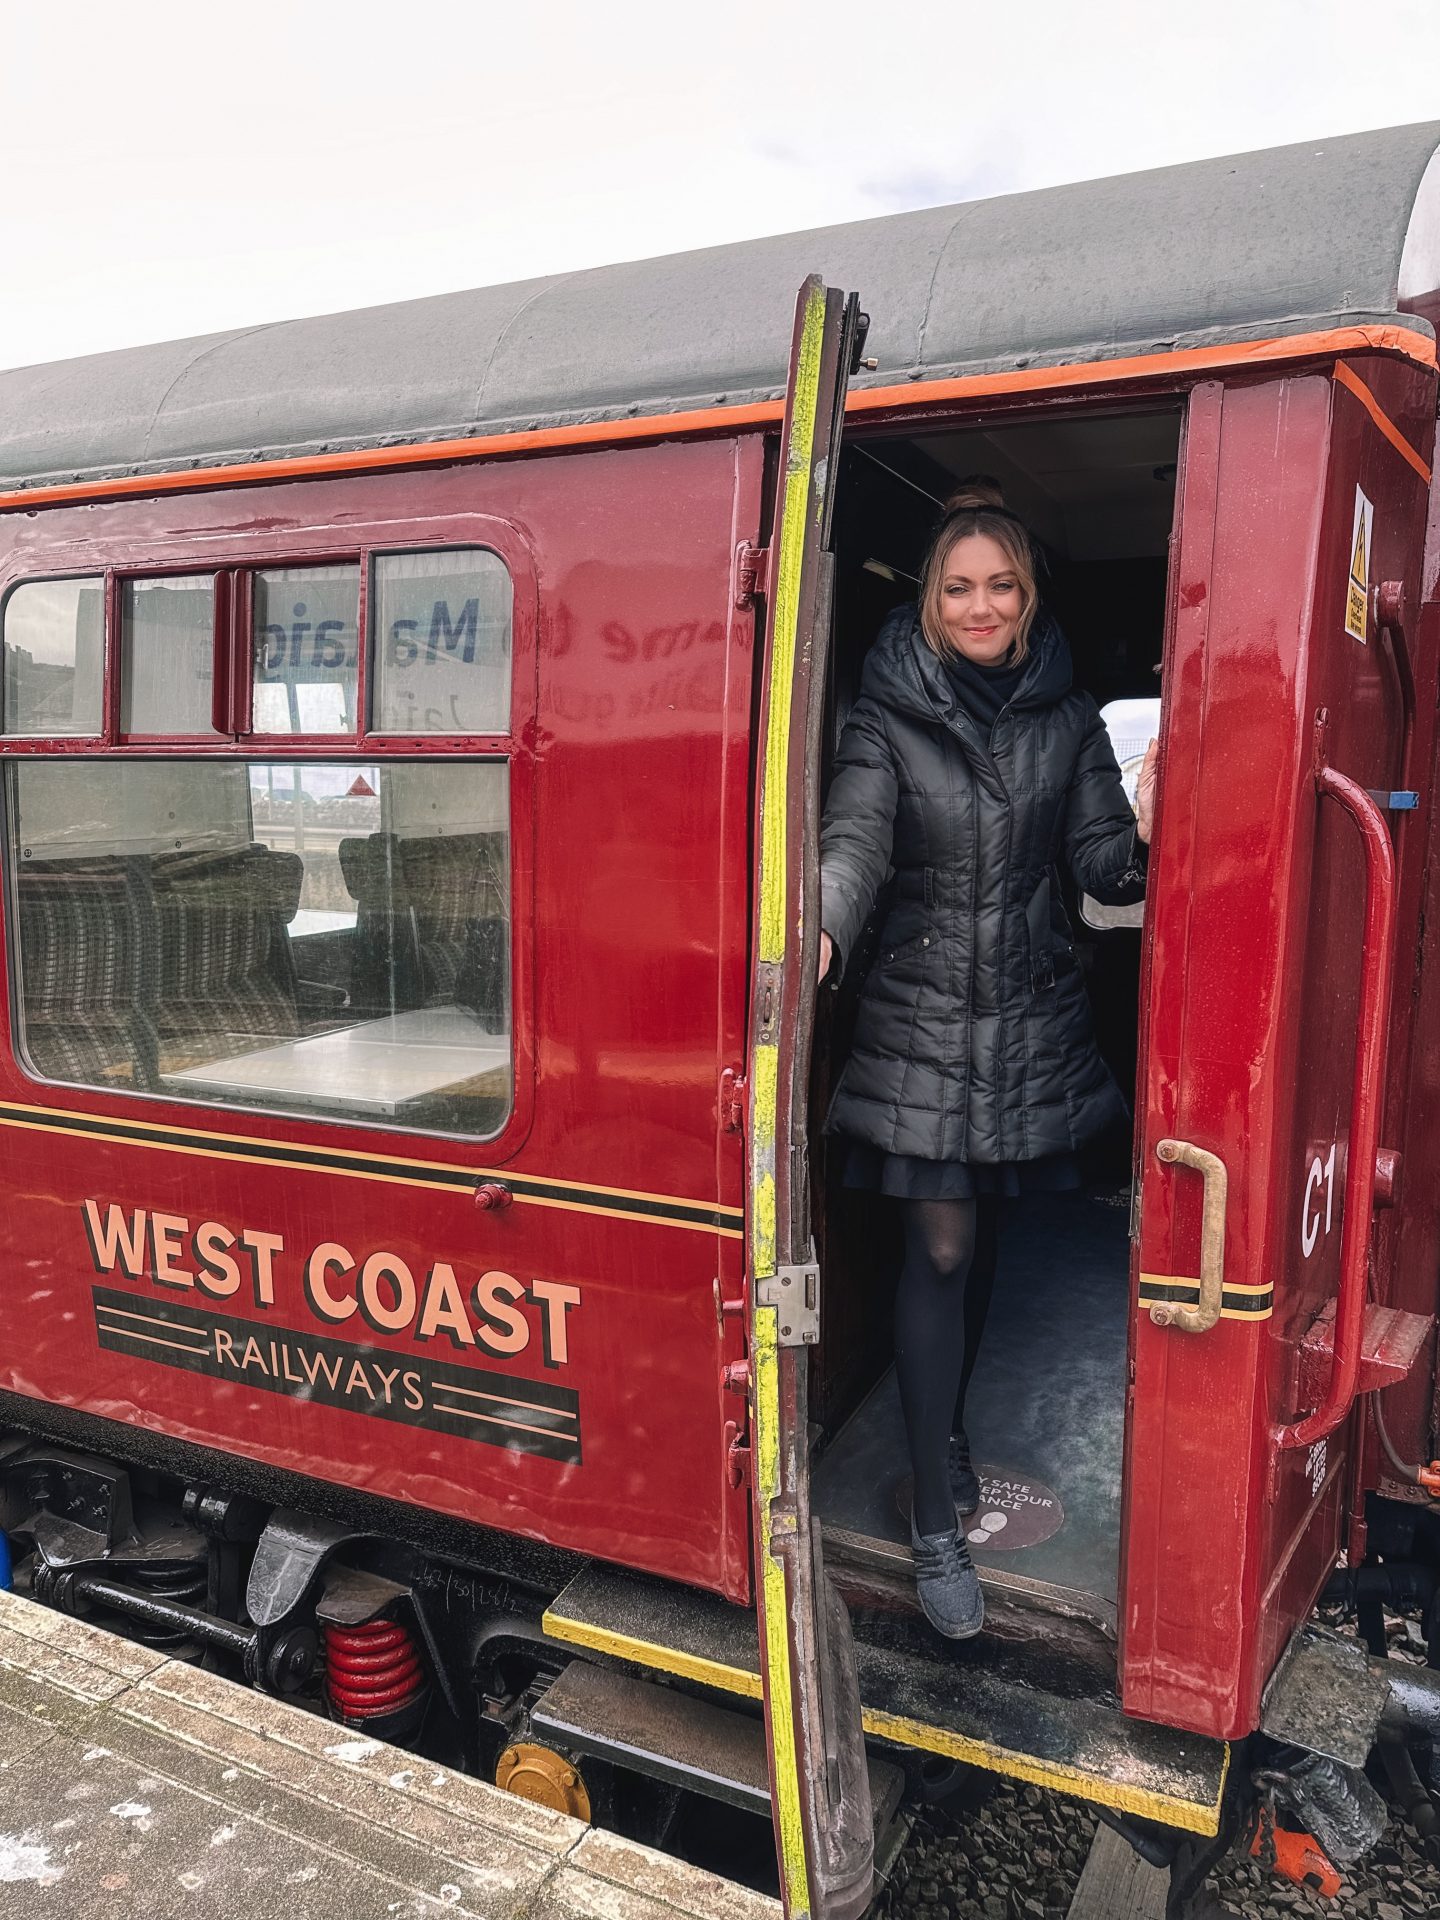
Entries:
{"x":827,"y":949}
{"x":1145,"y":792}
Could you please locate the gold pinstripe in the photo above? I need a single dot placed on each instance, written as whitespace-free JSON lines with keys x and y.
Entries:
{"x":1150,"y":1282}
{"x":377,"y":1167}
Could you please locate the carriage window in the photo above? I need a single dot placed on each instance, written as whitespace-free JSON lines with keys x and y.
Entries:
{"x":306,"y":651}
{"x":167,"y":655}
{"x":55,"y":657}
{"x":442,"y":642}
{"x":327,"y":938}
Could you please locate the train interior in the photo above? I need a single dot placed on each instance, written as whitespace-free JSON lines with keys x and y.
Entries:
{"x":324,"y":935}
{"x":1045,"y":1409}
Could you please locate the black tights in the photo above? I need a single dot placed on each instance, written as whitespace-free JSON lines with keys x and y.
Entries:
{"x":940,"y":1312}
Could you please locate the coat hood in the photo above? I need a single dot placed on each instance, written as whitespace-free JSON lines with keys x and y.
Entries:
{"x":901,"y":671}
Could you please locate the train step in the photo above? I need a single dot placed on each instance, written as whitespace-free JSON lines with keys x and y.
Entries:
{"x":961,"y":1703}
{"x":674,"y":1737}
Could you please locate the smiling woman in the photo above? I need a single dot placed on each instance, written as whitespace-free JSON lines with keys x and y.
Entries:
{"x":978,"y":595}
{"x":962,"y":1084}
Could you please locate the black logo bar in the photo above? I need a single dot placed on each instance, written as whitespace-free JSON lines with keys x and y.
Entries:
{"x":524,"y":1416}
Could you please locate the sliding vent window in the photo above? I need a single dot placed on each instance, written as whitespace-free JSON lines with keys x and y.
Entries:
{"x":442,"y":642}
{"x":167,"y":656}
{"x":311,"y":937}
{"x":306,"y":651}
{"x":55,"y":657}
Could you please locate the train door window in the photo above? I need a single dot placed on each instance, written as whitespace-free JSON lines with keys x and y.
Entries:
{"x":54,"y":657}
{"x":442,"y":642}
{"x":167,"y":656}
{"x":306,"y":658}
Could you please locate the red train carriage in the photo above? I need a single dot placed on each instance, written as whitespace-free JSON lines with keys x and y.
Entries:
{"x":421,"y":1283}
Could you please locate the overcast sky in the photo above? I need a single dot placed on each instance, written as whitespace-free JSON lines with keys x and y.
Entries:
{"x":173,"y":168}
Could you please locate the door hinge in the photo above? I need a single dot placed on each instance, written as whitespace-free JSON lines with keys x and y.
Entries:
{"x":794,"y":1292}
{"x":737,"y":1454}
{"x":732,"y":1100}
{"x":752,"y":573}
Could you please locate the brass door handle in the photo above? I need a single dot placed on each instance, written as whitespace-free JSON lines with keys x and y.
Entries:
{"x":1212,"y":1238}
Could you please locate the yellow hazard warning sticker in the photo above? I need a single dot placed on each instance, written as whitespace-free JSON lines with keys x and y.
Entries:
{"x":1357,"y":592}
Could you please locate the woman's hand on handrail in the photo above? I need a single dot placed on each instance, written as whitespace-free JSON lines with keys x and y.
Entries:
{"x":1145,"y":792}
{"x":827,"y":949}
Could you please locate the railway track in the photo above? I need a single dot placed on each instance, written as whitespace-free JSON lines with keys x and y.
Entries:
{"x":1023,"y":1855}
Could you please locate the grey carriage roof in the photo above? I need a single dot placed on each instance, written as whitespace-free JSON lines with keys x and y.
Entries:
{"x":1287,"y":241}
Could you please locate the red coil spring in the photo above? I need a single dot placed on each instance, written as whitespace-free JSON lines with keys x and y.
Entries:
{"x":373,"y":1670}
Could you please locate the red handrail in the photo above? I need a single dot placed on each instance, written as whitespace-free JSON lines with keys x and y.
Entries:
{"x":1374,"y":1021}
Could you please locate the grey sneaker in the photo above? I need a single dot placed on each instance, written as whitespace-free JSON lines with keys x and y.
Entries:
{"x":964,"y":1481}
{"x":946,"y":1581}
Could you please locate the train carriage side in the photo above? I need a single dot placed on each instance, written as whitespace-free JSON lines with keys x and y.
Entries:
{"x":398,"y":991}
{"x":321,"y":1156}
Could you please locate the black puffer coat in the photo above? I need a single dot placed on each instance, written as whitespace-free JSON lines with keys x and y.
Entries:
{"x":973,"y":1040}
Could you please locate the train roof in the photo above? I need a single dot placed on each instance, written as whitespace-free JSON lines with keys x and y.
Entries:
{"x":1292,"y":240}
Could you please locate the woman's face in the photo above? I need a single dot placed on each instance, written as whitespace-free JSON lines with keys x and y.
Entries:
{"x":981,"y":599}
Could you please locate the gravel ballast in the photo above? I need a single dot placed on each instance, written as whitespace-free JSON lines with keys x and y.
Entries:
{"x":1001,"y":1851}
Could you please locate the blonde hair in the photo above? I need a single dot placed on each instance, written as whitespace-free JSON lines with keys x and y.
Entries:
{"x":976,"y":490}
{"x":977,"y":506}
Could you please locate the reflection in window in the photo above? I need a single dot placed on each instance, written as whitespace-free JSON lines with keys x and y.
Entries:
{"x":167,"y":655}
{"x":305,"y":649}
{"x":55,"y":657}
{"x":442,"y":642}
{"x":326,"y":938}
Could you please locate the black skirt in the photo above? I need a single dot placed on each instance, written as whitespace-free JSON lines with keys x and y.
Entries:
{"x":905,"y":1176}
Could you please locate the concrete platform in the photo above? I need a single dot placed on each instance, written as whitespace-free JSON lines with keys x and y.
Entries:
{"x":134,"y":1784}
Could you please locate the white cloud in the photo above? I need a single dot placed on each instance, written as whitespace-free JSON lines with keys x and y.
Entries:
{"x":173,"y":169}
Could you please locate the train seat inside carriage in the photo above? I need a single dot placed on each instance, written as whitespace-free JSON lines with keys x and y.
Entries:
{"x":135,"y":962}
{"x":87,"y":929}
{"x":1045,"y":1410}
{"x":429,"y":920}
{"x":226,"y":975}
{"x":254,"y":952}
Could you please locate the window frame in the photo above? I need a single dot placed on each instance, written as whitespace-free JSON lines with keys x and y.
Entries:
{"x":9,"y":585}
{"x":117,"y":579}
{"x":153,"y":554}
{"x":365,"y":697}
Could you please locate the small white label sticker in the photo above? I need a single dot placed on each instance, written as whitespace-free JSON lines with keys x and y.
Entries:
{"x":1357,"y":593}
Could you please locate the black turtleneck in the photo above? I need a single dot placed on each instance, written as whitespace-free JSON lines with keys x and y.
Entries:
{"x":982,"y":691}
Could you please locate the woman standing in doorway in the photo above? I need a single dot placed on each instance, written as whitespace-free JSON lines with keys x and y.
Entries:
{"x":970,"y":765}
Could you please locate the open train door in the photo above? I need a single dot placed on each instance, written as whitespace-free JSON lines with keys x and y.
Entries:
{"x":1271,"y":921}
{"x":819,"y":1784}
